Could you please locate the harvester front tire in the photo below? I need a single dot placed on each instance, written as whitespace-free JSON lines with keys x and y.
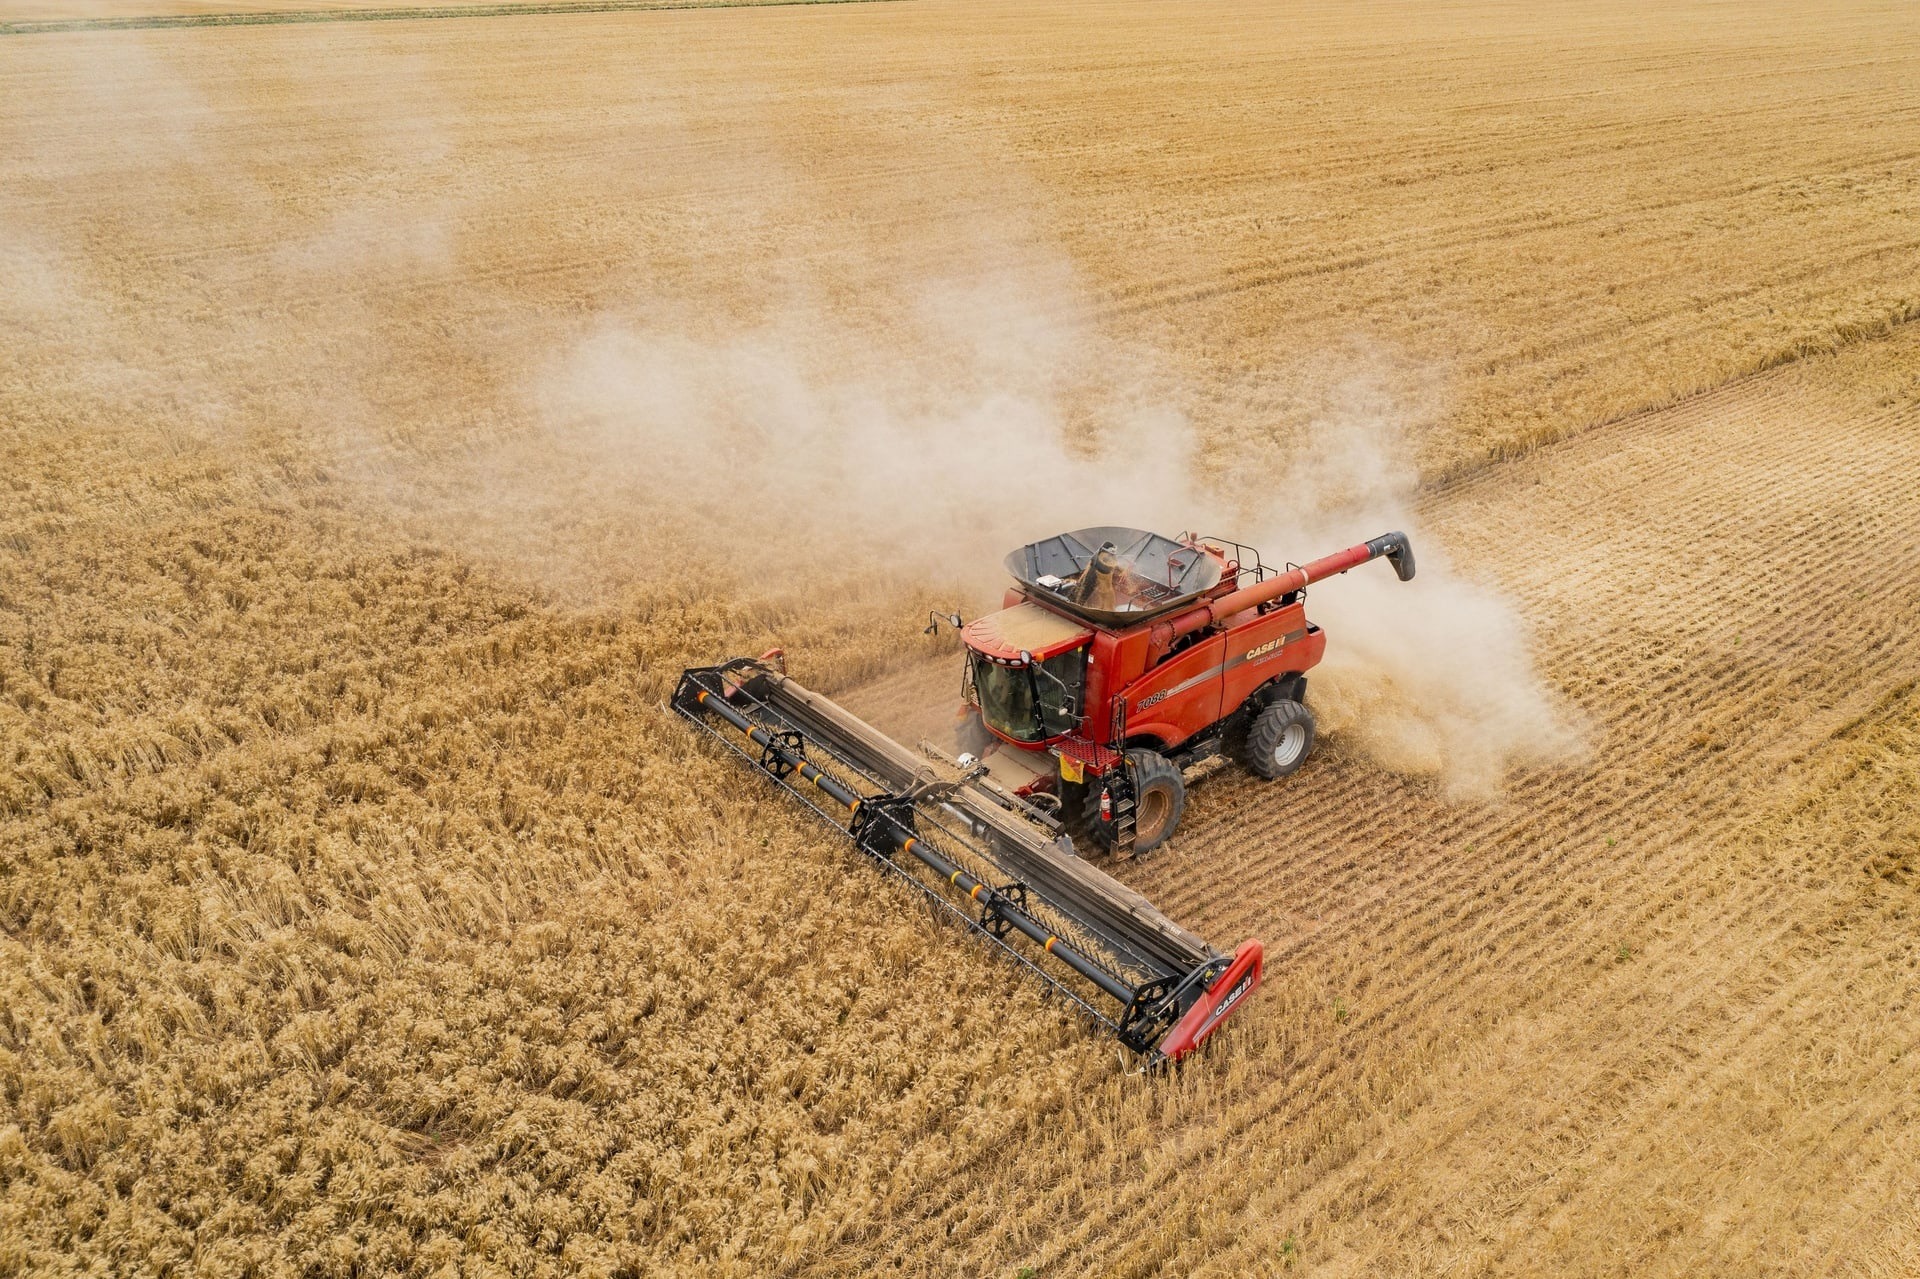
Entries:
{"x":1280,"y":739}
{"x":1080,"y":814}
{"x":1159,"y":797}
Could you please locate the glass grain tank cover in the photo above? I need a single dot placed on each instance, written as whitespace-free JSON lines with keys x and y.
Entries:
{"x":1031,"y":703}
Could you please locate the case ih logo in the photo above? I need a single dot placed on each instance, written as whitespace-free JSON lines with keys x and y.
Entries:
{"x":1226,"y":1006}
{"x":1262,"y":650}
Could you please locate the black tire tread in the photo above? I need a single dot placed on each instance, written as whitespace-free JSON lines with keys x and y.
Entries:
{"x":1264,"y":736}
{"x":1150,"y":768}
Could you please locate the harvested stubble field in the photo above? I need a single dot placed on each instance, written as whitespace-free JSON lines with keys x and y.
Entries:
{"x":390,"y":410}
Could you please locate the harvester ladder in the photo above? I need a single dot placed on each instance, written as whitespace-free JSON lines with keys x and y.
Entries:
{"x":1120,"y":792}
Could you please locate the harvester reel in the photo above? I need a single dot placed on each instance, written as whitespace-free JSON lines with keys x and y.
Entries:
{"x":1146,"y":1016}
{"x":938,"y":835}
{"x":995,"y":920}
{"x":882,"y":823}
{"x":785,"y":753}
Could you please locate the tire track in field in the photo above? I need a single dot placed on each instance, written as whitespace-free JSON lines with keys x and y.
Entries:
{"x":1760,"y":463}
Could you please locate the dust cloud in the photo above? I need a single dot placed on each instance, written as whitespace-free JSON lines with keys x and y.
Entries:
{"x":915,"y":399}
{"x":971,"y":432}
{"x":932,"y":454}
{"x":1433,"y":677}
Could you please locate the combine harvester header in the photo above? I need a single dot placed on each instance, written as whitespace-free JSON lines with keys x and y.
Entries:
{"x":1001,"y":860}
{"x":982,"y":854}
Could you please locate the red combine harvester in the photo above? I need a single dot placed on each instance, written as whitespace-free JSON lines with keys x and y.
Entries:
{"x":1121,"y":657}
{"x":1127,"y":656}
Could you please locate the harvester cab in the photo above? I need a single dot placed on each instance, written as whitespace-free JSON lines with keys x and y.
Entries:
{"x":1119,"y":656}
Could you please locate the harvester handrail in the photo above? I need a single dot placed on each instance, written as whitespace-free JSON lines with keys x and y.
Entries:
{"x":1258,"y":568}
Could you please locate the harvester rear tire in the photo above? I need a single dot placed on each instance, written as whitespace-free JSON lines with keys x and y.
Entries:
{"x":1280,"y":739}
{"x":1160,"y":796}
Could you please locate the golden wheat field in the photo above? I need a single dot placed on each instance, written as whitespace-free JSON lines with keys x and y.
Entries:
{"x":389,"y":410}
